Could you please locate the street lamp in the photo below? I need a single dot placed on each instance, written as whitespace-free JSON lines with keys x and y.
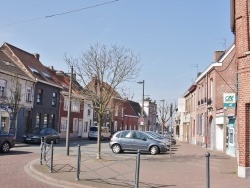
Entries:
{"x":142,"y":106}
{"x":69,"y":109}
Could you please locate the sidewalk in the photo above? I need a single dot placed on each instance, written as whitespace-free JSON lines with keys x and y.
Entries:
{"x":185,"y":168}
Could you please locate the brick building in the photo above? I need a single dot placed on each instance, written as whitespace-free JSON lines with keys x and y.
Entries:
{"x":240,"y":27}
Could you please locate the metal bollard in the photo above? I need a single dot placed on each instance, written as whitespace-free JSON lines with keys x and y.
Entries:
{"x":137,"y":171}
{"x":41,"y":154}
{"x":78,"y":163}
{"x":207,"y":170}
{"x":51,"y":157}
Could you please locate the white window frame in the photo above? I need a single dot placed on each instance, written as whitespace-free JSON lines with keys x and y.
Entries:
{"x":29,"y":94}
{"x":75,"y":124}
{"x":63,"y":126}
{"x":2,"y":88}
{"x":75,"y":106}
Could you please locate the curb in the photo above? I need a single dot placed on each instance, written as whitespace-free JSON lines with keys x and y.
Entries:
{"x":30,"y":170}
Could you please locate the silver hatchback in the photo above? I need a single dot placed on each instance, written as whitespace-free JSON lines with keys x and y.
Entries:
{"x":132,"y":140}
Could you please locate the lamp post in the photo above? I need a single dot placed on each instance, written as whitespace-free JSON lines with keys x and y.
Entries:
{"x":162,"y":116}
{"x":69,"y":108}
{"x":142,"y":106}
{"x":69,"y":111}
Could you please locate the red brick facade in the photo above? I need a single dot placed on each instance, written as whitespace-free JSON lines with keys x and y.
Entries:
{"x":240,"y":28}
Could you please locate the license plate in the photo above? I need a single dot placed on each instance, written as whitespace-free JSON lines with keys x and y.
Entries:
{"x":28,"y":139}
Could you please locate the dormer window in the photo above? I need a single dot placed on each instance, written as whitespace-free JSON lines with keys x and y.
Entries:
{"x":46,"y":74}
{"x":33,"y":70}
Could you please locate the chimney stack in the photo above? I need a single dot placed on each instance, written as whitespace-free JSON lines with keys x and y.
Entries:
{"x":217,"y":55}
{"x":37,"y":56}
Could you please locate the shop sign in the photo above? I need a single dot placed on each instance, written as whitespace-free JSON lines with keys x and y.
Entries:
{"x":229,"y":99}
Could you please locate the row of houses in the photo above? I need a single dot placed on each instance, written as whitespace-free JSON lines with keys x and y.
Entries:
{"x":204,"y":117}
{"x":214,"y":111}
{"x":44,"y":100}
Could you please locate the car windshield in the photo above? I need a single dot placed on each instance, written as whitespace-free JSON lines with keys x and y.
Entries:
{"x":155,"y":135}
{"x":93,"y":128}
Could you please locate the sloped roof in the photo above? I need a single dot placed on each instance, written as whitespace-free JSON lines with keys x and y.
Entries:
{"x":63,"y":80}
{"x":132,"y":108}
{"x":29,"y":62}
{"x":8,"y":66}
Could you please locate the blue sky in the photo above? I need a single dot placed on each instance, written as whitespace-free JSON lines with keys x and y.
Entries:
{"x":172,"y":37}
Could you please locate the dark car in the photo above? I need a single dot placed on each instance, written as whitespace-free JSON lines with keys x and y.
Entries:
{"x":7,"y":141}
{"x":132,"y":140}
{"x":48,"y":134}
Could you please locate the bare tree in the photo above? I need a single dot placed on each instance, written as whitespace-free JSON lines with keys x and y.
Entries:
{"x":102,"y":70}
{"x":11,"y":103}
{"x":165,"y":113}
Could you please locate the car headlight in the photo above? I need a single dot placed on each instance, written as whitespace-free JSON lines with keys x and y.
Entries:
{"x":24,"y":136}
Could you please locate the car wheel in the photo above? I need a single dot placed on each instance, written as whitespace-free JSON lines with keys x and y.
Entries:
{"x":154,"y":150}
{"x":5,"y":148}
{"x":116,"y":148}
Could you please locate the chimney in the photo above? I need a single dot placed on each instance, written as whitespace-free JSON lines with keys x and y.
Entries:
{"x":217,"y":55}
{"x":37,"y":56}
{"x":51,"y":67}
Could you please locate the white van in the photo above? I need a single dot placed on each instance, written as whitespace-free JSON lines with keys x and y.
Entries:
{"x":93,"y":133}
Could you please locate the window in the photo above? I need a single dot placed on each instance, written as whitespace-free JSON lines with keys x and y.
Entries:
{"x":89,"y":111}
{"x":85,"y":127}
{"x":45,"y":120}
{"x":2,"y":88}
{"x":126,"y":134}
{"x":46,"y":74}
{"x":66,"y":103}
{"x":116,"y":111}
{"x":63,"y":124}
{"x":53,"y":120}
{"x":38,"y":120}
{"x":28,"y":94}
{"x":75,"y":106}
{"x":211,"y":89}
{"x":54,"y":99}
{"x":39,"y":96}
{"x":202,"y":124}
{"x":33,"y":70}
{"x":95,"y":114}
{"x":75,"y":124}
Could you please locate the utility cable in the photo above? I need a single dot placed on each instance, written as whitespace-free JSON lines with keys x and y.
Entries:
{"x":60,"y":14}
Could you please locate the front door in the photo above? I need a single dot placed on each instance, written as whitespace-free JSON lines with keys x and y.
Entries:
{"x":230,"y":142}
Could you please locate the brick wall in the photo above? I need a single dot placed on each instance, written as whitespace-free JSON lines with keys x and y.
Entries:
{"x":243,"y":61}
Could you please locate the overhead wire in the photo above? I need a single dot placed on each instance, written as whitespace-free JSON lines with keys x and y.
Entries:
{"x":60,"y":14}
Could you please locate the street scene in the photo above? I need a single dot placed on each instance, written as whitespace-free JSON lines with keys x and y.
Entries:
{"x":115,"y":93}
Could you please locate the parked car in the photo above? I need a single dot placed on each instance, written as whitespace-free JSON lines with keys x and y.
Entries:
{"x":169,"y":138}
{"x":93,"y":133}
{"x":48,"y":134}
{"x":132,"y":140}
{"x":7,"y":141}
